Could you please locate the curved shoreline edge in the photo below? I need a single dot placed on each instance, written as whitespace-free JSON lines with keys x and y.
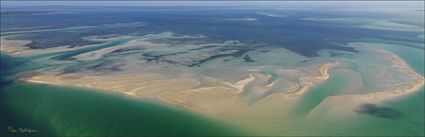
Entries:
{"x":305,"y":83}
{"x":417,"y":83}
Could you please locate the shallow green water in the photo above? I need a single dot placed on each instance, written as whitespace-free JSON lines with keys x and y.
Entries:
{"x":414,"y":57}
{"x":78,"y":112}
{"x":63,"y":111}
{"x":412,"y":121}
{"x":410,"y":107}
{"x":317,"y":94}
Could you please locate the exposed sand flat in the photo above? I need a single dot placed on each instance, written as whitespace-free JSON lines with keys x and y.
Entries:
{"x":14,"y":47}
{"x":186,"y":91}
{"x":206,"y":100}
{"x":308,"y":81}
{"x":268,"y":86}
{"x":254,"y":90}
{"x":179,"y":91}
{"x":215,"y":97}
{"x":184,"y":87}
{"x":417,"y":83}
{"x":18,"y":48}
{"x":240,"y":84}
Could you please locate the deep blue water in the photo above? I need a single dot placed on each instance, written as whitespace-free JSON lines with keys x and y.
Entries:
{"x":303,"y":37}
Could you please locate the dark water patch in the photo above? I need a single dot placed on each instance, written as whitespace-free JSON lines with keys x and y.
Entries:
{"x":69,"y":54}
{"x":199,"y":62}
{"x":380,"y":112}
{"x":107,"y":65}
{"x":264,"y":51}
{"x":121,"y":50}
{"x":196,"y":62}
{"x":159,"y":56}
{"x":71,"y":69}
{"x":9,"y":67}
{"x":301,"y":36}
{"x":306,"y":60}
{"x":102,"y":66}
{"x":238,"y":53}
{"x":203,"y":47}
{"x":162,"y":58}
{"x":180,"y":41}
{"x":124,"y":51}
{"x":247,"y":58}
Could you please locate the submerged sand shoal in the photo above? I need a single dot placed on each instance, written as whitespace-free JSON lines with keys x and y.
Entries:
{"x":201,"y":95}
{"x":188,"y":91}
{"x":182,"y":91}
{"x":271,"y":91}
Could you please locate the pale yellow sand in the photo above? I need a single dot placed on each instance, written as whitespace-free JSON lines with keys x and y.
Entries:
{"x":213,"y":96}
{"x":406,"y":89}
{"x":223,"y":100}
{"x":240,"y":84}
{"x":181,"y":91}
{"x":188,"y":91}
{"x":307,"y":82}
{"x":14,"y":47}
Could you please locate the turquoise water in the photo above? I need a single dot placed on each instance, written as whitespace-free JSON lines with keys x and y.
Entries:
{"x":411,"y":107}
{"x":414,"y":57}
{"x":317,"y":94}
{"x":11,"y":66}
{"x":63,"y":111}
{"x":68,"y":112}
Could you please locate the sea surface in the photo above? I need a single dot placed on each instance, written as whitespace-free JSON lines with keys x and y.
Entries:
{"x":70,"y":111}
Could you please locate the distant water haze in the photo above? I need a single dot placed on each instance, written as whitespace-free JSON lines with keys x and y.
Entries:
{"x":293,"y":4}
